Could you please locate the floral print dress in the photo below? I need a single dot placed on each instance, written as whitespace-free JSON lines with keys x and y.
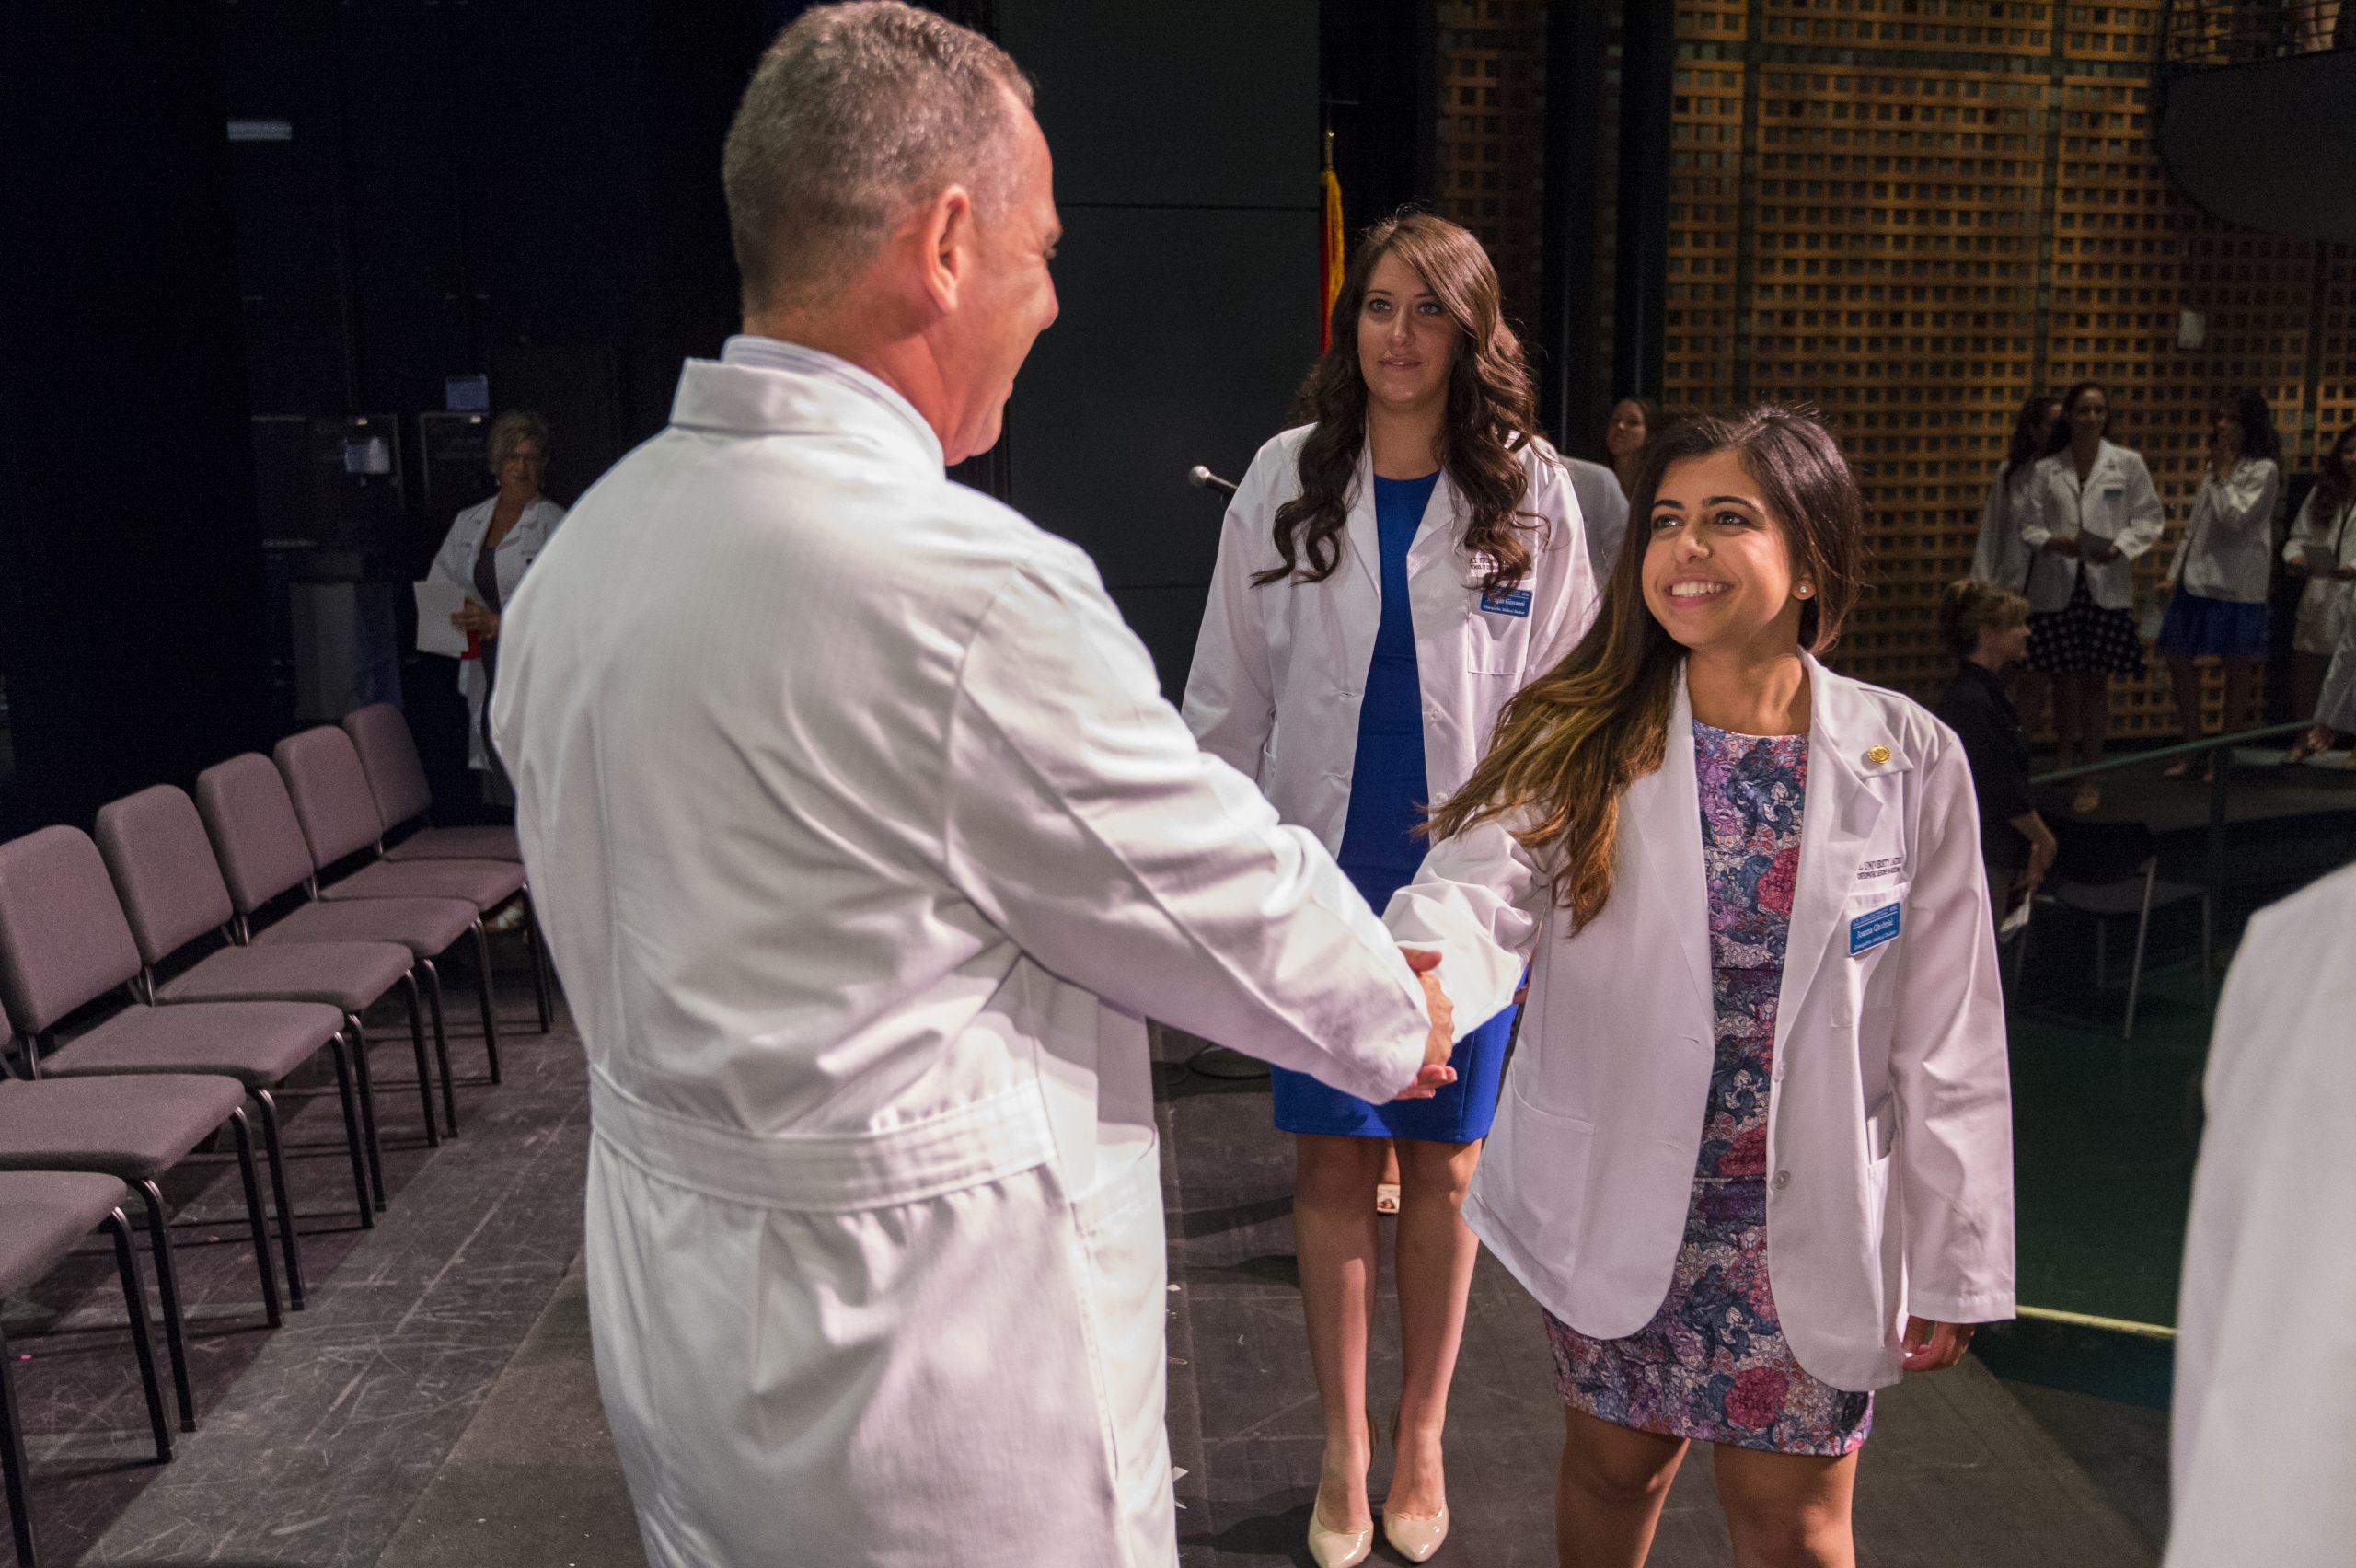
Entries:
{"x":1712,"y":1364}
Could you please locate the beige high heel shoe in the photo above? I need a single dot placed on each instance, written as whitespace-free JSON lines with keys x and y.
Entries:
{"x":1330,"y":1548}
{"x":1414,"y":1539}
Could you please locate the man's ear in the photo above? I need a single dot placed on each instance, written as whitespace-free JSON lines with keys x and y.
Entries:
{"x":947,"y":239}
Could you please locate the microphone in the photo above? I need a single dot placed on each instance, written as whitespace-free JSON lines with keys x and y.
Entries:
{"x":1203,"y":478}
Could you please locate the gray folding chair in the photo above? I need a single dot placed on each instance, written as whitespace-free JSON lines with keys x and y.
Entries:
{"x":259,"y":844}
{"x":2110,"y":871}
{"x":42,"y":1216}
{"x":174,"y":898}
{"x":136,"y":1129}
{"x":64,"y":945}
{"x":333,"y":800}
{"x":397,"y":778}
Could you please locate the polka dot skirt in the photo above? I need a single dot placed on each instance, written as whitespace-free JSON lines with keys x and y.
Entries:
{"x":2084,"y":638}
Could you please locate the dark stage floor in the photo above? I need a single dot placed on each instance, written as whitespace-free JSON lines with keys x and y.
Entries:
{"x":436,"y":1405}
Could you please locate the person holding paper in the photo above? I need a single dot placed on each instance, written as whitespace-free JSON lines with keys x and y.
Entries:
{"x":486,"y":553}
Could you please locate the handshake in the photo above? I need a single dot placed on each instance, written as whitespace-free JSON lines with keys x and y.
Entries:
{"x":1440,"y":1043}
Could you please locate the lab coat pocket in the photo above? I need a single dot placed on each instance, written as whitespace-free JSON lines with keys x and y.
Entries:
{"x":1496,"y":634}
{"x":1545,"y":1158}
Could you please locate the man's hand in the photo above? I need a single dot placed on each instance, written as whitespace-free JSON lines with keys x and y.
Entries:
{"x":1934,"y":1347}
{"x":1439,"y":1044}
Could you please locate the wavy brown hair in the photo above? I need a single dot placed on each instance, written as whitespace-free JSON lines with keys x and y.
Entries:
{"x":1492,"y":413}
{"x":1567,"y":747}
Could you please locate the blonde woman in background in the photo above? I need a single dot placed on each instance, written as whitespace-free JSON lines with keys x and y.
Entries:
{"x":486,"y":551}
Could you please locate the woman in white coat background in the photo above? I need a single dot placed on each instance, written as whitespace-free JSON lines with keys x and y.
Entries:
{"x":2322,"y":548}
{"x":2001,"y":556}
{"x":2222,"y":569}
{"x":2097,"y":511}
{"x":1387,"y":577}
{"x":1754,"y":1155}
{"x":486,"y":551}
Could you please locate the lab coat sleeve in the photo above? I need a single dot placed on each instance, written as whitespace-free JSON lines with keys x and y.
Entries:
{"x":2266,"y":1356}
{"x":1479,"y":901}
{"x":1085,"y":824}
{"x":1952,"y":1171}
{"x":2145,"y":516}
{"x":1995,"y":517}
{"x":450,"y":562}
{"x":1570,"y":612}
{"x":1230,"y":702}
{"x":2305,"y":535}
{"x":2246,"y":502}
{"x":2040,"y":519}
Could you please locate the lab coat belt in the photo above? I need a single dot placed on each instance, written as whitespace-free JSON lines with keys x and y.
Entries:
{"x":986,"y":1140}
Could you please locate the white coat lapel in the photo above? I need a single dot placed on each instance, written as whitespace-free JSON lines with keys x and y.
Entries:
{"x":1853,"y":808}
{"x":1436,"y":533}
{"x":1362,"y":538}
{"x":1666,"y":833}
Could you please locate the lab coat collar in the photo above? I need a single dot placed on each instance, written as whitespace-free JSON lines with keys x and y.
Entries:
{"x":767,"y":387}
{"x":1363,"y":535}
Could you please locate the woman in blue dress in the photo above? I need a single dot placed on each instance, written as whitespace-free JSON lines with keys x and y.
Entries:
{"x":1389,"y":575}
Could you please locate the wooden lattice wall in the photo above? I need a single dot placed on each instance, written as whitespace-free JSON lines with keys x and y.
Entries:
{"x":1910,"y":213}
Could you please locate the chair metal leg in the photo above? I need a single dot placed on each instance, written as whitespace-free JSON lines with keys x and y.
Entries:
{"x":441,"y":1030}
{"x":135,"y":1300}
{"x":352,"y":1135}
{"x":12,"y":1462}
{"x":424,"y":1072}
{"x":2143,"y":928}
{"x":2208,"y":942}
{"x":276,"y":1150}
{"x":541,"y":996}
{"x":367,"y":1108}
{"x":168,"y":1290}
{"x":483,"y":992}
{"x":255,"y":1219}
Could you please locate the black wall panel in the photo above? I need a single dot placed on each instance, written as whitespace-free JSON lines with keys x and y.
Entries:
{"x":1186,"y":146}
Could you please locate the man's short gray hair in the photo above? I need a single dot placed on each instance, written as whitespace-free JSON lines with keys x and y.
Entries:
{"x":858,"y":114}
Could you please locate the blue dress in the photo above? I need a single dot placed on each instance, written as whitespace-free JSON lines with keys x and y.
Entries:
{"x":1381,"y":854}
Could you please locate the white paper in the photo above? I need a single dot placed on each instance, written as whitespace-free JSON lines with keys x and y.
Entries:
{"x":436,"y":602}
{"x":2015,"y":921}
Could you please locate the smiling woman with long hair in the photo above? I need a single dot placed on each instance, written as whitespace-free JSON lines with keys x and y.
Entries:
{"x":1388,"y":577}
{"x":1754,"y":1155}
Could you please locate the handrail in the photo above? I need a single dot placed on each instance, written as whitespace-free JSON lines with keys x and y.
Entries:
{"x":2182,"y":748}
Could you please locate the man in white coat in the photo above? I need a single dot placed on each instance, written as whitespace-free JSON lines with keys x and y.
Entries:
{"x":865,"y":844}
{"x":2266,"y":1365}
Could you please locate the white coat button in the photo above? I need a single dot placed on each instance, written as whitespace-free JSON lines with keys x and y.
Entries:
{"x":1783,"y":1180}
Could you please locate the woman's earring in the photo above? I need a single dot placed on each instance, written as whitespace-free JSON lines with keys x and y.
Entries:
{"x":1805,"y":590}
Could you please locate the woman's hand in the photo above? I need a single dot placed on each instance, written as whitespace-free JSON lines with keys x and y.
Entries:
{"x":2062,"y":544}
{"x":2344,"y":573}
{"x":2102,"y":552}
{"x":1934,"y":1347}
{"x":1440,"y":1042}
{"x":480,"y":620}
{"x":2297,"y":565}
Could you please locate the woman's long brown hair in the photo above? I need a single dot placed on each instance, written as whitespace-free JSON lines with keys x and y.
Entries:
{"x":1569,"y":745}
{"x":1492,"y":413}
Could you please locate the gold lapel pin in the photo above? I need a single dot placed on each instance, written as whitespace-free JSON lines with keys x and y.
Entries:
{"x":1877,"y":754}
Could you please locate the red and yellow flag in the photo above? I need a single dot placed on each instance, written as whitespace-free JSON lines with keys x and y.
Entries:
{"x":1330,"y":276}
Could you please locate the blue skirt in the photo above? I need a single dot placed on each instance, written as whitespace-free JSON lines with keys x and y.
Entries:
{"x":2195,"y":626}
{"x":1457,"y":1114}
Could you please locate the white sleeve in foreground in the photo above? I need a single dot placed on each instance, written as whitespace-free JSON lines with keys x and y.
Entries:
{"x":1479,"y":901}
{"x":1084,"y":823}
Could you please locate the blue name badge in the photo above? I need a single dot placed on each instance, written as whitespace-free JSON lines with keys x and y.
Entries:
{"x":2114,"y":493}
{"x":1515,"y":602}
{"x":1869,"y":930}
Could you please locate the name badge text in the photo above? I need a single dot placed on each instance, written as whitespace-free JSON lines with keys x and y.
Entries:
{"x":1869,"y":930}
{"x":1515,"y":602}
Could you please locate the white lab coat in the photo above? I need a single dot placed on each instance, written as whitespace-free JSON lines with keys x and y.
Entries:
{"x":2226,"y":551}
{"x":1603,"y":514}
{"x":865,"y":844}
{"x":455,"y":562}
{"x":1279,"y":671}
{"x":2260,"y":1456}
{"x":2002,"y":556}
{"x":1888,"y":1131}
{"x":2324,"y":543}
{"x":2117,"y":502}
